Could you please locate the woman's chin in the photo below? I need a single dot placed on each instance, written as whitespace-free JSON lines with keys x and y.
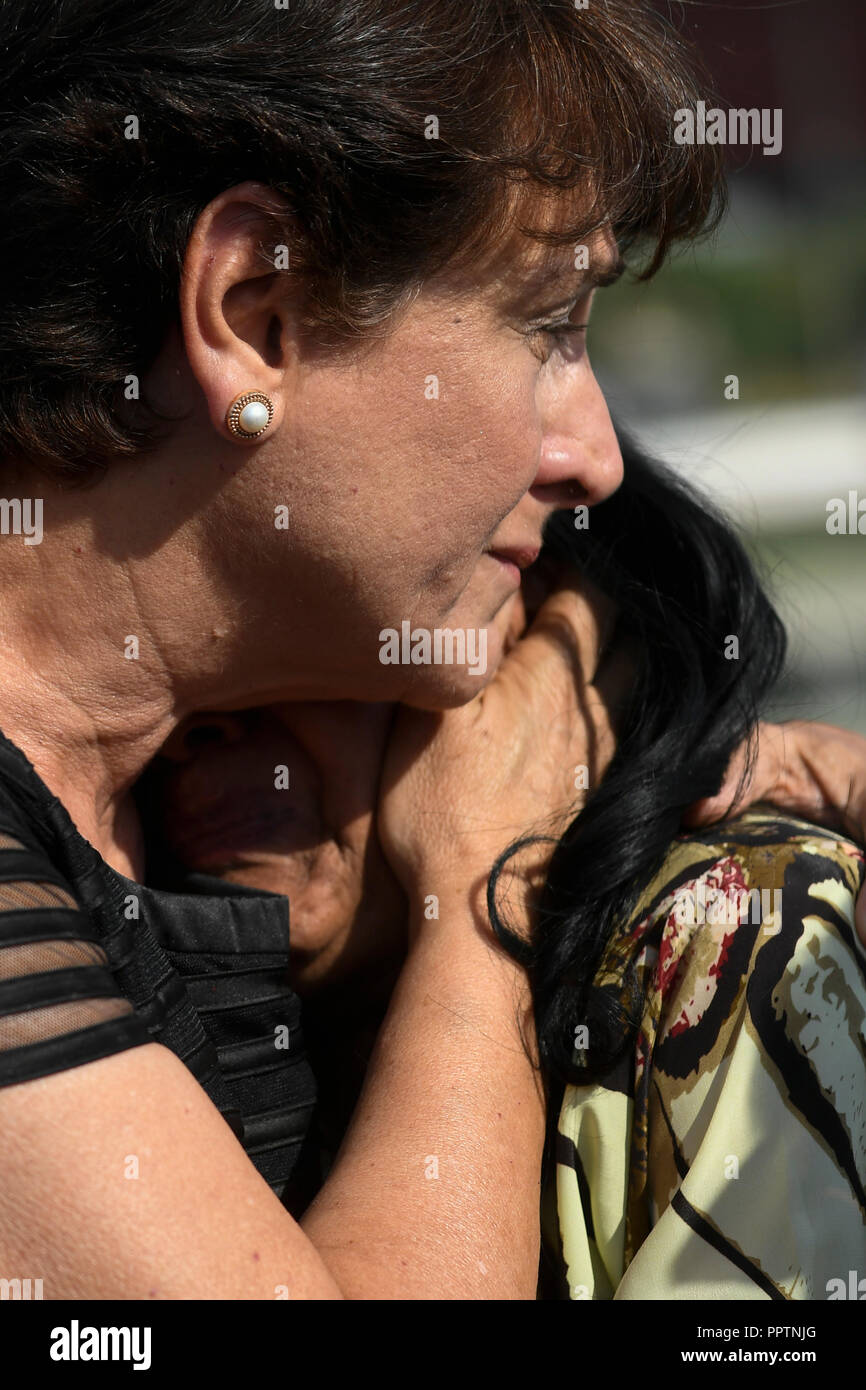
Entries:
{"x":450,"y":686}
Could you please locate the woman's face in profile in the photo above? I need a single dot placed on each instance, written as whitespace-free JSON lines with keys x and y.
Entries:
{"x":418,"y":472}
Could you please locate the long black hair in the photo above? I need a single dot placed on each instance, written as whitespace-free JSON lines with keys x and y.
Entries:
{"x":685,"y":587}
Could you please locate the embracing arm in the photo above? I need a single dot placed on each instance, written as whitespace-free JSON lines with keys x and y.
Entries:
{"x":460,"y":1173}
{"x":815,"y":770}
{"x":434,"y":1193}
{"x":449,"y":1082}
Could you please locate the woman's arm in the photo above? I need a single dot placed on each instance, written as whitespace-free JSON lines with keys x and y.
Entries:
{"x":450,"y":1088}
{"x":815,"y":770}
{"x":462,"y":1174}
{"x":434,"y":1196}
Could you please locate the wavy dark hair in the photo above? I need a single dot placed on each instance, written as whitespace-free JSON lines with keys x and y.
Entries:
{"x":121,"y":121}
{"x":684,"y":585}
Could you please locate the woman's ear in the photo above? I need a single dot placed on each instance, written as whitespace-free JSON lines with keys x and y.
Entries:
{"x":239,"y":302}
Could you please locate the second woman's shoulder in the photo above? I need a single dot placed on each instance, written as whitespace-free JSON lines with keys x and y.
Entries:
{"x":747,"y":1082}
{"x":762,"y":867}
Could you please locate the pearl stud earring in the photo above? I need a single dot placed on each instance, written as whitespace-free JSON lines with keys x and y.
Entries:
{"x":249,"y":414}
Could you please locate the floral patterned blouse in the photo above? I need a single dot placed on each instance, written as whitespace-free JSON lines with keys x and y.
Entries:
{"x":726,"y":1156}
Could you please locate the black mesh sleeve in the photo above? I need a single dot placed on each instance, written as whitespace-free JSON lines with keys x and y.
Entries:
{"x":60,"y":1005}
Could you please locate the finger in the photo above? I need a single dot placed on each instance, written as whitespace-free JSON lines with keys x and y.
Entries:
{"x":803,"y":768}
{"x":819,"y":775}
{"x":598,"y":736}
{"x":535,"y":587}
{"x":517,"y":622}
{"x":573,"y":624}
{"x":725,"y":802}
{"x":737,"y":792}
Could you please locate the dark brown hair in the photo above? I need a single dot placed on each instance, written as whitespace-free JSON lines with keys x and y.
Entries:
{"x":326,"y":101}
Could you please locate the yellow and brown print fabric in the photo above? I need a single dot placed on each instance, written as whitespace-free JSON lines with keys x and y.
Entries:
{"x":726,"y":1156}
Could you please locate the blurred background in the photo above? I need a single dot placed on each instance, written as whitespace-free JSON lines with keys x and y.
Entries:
{"x":777,"y":299}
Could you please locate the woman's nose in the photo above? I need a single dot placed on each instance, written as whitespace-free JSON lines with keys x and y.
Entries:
{"x":580,"y":460}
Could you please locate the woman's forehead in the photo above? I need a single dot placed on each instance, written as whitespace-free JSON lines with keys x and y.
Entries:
{"x":521,"y":266}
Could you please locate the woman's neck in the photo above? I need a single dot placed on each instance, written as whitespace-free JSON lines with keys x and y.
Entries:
{"x":91,"y":778}
{"x":88,"y":717}
{"x":114,"y":627}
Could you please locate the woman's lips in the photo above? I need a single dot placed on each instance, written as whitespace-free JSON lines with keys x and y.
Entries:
{"x":509,"y":566}
{"x":516,"y":560}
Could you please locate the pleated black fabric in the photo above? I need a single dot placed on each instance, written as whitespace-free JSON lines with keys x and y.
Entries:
{"x":205,"y":968}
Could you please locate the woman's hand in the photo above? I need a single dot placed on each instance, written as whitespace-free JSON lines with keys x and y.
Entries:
{"x":459,"y":787}
{"x":816,"y":770}
{"x":213,"y":801}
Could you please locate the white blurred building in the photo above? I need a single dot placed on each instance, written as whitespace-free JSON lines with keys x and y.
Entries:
{"x":774,"y":469}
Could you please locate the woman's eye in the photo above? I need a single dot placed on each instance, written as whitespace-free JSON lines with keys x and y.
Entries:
{"x":557,"y":334}
{"x":564,"y":329}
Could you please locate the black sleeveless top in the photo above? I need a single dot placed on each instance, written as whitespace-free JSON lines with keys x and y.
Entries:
{"x":92,"y":963}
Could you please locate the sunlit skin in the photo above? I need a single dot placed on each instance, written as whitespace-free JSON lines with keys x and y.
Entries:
{"x":397,"y":507}
{"x":397,"y":504}
{"x":317,"y":845}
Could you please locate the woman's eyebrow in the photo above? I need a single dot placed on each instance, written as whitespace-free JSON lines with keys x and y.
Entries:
{"x":561,"y":284}
{"x":607,"y":274}
{"x":574,"y":282}
{"x":595,"y":277}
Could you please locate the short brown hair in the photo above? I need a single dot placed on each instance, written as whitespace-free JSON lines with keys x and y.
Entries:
{"x":327,"y":102}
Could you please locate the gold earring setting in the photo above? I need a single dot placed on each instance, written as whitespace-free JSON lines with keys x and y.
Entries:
{"x":249,"y":415}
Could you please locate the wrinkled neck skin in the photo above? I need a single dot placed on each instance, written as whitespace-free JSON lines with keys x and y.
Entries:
{"x":114,"y":629}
